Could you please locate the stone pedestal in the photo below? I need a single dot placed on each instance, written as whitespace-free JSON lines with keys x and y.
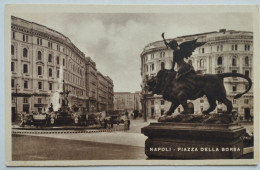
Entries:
{"x":174,"y":140}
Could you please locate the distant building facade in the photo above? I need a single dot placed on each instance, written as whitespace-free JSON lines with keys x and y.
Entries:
{"x":44,"y":61}
{"x":225,"y":51}
{"x":104,"y":93}
{"x":127,"y":101}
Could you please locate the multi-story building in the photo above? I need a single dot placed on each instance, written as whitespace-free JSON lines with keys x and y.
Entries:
{"x":45,"y":62}
{"x":224,"y":51}
{"x":110,"y":94}
{"x":91,"y":84}
{"x":101,"y":92}
{"x":127,"y":101}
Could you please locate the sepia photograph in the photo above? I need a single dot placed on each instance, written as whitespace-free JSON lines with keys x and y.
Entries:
{"x":131,"y":85}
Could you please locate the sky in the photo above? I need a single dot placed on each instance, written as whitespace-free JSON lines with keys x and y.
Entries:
{"x":116,"y":40}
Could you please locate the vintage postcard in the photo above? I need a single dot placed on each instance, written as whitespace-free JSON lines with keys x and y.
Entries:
{"x":131,"y":85}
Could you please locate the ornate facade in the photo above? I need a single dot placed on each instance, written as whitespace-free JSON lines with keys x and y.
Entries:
{"x":224,"y":51}
{"x":44,"y":61}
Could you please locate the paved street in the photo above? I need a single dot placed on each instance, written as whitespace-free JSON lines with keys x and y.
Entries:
{"x":45,"y":148}
{"x":82,"y":146}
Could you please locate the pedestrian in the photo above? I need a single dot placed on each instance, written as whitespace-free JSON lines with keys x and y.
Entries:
{"x":127,"y":121}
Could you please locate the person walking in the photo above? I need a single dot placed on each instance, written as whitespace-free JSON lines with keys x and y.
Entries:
{"x":127,"y":121}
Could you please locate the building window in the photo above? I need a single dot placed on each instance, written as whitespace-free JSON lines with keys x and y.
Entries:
{"x":25,"y":100}
{"x":234,"y":101}
{"x":162,"y":54}
{"x":152,"y":102}
{"x":50,"y":58}
{"x":12,"y":50}
{"x":25,"y":84}
{"x":246,"y":101}
{"x":152,"y":67}
{"x":50,"y":72}
{"x":12,"y":83}
{"x":162,"y":102}
{"x":58,"y":73}
{"x":39,"y":41}
{"x":162,"y":65}
{"x":39,"y":57}
{"x":246,"y":61}
{"x":190,"y":62}
{"x":234,"y":61}
{"x":219,"y":60}
{"x":13,"y":35}
{"x":201,"y":63}
{"x":202,"y":50}
{"x":12,"y":66}
{"x":39,"y":100}
{"x":63,"y":61}
{"x":39,"y":85}
{"x":58,"y":60}
{"x":25,"y":52}
{"x":58,"y":47}
{"x":50,"y":44}
{"x":25,"y":68}
{"x":201,"y":101}
{"x":50,"y":86}
{"x":234,"y":47}
{"x":221,"y":48}
{"x":234,"y":88}
{"x":247,"y":47}
{"x":217,"y":48}
{"x":25,"y":38}
{"x":39,"y":70}
{"x":247,"y":73}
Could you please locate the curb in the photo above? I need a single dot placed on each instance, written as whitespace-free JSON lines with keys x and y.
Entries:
{"x":15,"y":131}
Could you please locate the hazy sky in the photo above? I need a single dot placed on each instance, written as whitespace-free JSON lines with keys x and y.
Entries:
{"x":115,"y":41}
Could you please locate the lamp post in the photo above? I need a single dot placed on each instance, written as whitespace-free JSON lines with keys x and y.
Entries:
{"x":144,"y":98}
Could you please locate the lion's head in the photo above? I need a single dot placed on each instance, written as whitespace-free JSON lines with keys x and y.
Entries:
{"x":156,"y":84}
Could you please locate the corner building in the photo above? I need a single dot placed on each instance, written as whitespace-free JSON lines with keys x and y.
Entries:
{"x":44,"y":61}
{"x":224,"y":51}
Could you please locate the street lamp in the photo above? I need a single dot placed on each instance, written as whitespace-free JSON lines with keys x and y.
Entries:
{"x":144,"y":98}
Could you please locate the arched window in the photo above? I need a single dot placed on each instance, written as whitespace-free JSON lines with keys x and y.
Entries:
{"x":58,"y":60}
{"x":25,"y":52}
{"x":234,"y":61}
{"x":39,"y":70}
{"x":246,"y":61}
{"x":50,"y":58}
{"x":50,"y":72}
{"x":219,"y":60}
{"x":12,"y":49}
{"x":39,"y":55}
{"x":190,"y":62}
{"x":162,"y":65}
